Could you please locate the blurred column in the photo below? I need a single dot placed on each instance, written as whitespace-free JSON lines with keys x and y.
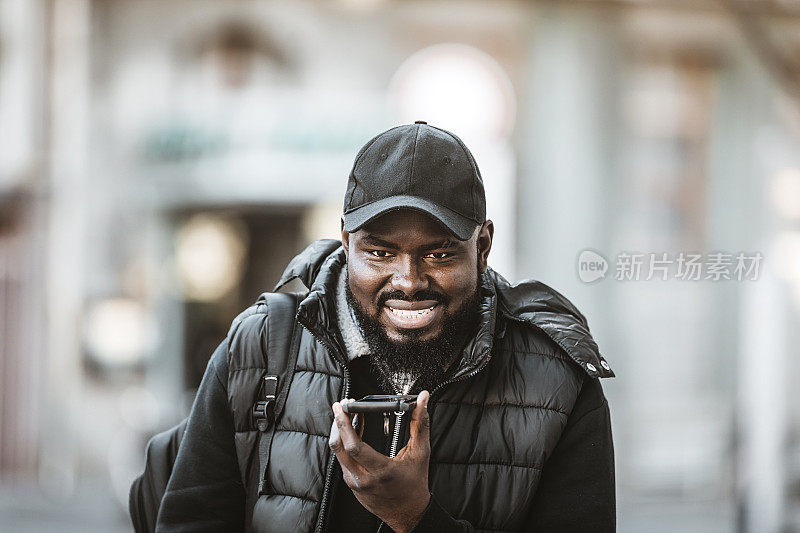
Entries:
{"x":22,"y":44}
{"x":740,"y":221}
{"x":566,"y":143}
{"x":69,"y":99}
{"x":763,"y":406}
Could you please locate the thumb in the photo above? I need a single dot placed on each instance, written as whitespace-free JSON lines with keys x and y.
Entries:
{"x":421,"y":422}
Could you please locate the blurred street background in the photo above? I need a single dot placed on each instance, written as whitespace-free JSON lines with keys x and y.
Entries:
{"x":161,"y":161}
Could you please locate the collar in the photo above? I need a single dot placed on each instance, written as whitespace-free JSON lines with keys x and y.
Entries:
{"x":354,"y":342}
{"x":529,"y":302}
{"x":320,"y":267}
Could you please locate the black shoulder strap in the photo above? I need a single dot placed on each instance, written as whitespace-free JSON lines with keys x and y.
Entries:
{"x":283,"y":344}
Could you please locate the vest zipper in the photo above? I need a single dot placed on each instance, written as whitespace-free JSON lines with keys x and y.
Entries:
{"x":399,"y":416}
{"x":320,"y":526}
{"x":492,"y":325}
{"x":461,"y":378}
{"x":396,"y":437}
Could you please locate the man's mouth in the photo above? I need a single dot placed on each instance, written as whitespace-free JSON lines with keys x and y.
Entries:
{"x":411,"y":315}
{"x":402,"y":313}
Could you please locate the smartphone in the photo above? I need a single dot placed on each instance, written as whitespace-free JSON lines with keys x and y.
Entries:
{"x":382,"y":403}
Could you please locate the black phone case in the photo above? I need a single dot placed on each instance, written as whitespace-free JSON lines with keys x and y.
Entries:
{"x":382,"y":403}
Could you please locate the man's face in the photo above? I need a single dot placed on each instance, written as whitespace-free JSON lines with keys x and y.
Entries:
{"x":413,"y":289}
{"x":409,"y":274}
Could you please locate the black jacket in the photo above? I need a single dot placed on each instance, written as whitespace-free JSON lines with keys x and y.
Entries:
{"x":520,"y":431}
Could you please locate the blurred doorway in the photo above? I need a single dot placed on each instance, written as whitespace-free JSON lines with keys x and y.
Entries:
{"x":226,"y":257}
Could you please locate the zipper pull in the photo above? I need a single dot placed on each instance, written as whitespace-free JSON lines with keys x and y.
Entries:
{"x":385,"y":424}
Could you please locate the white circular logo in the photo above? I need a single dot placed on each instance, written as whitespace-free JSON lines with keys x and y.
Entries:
{"x":591,"y":266}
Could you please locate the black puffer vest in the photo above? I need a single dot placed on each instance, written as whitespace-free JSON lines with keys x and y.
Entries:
{"x":494,"y":422}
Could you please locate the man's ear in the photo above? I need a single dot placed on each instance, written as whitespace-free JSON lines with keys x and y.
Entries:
{"x":345,"y":238}
{"x":485,"y":234}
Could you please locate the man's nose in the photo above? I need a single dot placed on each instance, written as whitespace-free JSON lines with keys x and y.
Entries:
{"x":409,"y":277}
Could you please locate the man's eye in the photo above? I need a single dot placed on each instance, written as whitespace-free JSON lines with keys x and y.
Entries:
{"x":379,"y":253}
{"x":440,"y":255}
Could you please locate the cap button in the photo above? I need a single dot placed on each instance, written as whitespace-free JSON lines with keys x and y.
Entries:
{"x":420,"y":122}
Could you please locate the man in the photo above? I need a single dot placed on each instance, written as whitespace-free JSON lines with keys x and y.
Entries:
{"x":511,"y":430}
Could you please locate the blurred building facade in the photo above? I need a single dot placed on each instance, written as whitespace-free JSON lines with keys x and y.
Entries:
{"x":160,"y":162}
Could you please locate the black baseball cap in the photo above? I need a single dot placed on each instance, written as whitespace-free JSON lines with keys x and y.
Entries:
{"x":416,"y":166}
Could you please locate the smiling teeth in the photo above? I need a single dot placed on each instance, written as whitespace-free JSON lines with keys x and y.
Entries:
{"x":408,"y":313}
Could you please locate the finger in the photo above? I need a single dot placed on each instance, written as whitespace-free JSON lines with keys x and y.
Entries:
{"x":421,"y":423}
{"x":337,"y":446}
{"x":352,"y":444}
{"x":357,"y":418}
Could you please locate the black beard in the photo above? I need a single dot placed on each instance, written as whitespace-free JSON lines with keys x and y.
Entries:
{"x":426,"y":361}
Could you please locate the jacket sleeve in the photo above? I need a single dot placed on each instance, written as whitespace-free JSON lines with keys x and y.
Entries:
{"x":205,"y":491}
{"x":577,"y":490}
{"x":435,"y":519}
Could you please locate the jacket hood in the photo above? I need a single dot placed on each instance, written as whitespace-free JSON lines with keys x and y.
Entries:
{"x":529,"y":302}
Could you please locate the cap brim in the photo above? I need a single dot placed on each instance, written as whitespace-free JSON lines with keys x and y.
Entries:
{"x":459,"y":225}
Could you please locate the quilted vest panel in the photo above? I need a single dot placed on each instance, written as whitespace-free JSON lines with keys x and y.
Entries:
{"x":491,"y":434}
{"x":299,"y":455}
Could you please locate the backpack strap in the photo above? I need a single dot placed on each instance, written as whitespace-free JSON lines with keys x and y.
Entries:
{"x":283,"y":344}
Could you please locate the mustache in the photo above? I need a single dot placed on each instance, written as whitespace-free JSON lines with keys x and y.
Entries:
{"x":416,"y":297}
